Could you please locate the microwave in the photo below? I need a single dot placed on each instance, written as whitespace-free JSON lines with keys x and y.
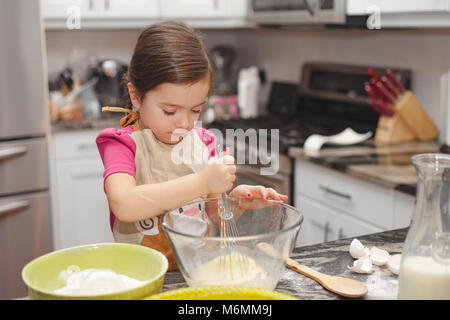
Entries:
{"x":297,"y":12}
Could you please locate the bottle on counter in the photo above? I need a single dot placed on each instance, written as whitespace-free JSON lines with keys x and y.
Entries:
{"x":248,"y":92}
{"x":425,"y":265}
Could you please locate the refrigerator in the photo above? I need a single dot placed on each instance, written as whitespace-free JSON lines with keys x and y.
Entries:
{"x":25,"y":217}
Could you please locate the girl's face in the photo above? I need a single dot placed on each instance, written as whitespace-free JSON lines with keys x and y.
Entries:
{"x":169,"y":109}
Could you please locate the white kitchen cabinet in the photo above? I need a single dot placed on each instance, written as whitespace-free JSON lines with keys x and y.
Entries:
{"x":60,"y":9}
{"x":80,"y":209}
{"x":129,"y":9}
{"x":203,"y":8}
{"x":322,"y":223}
{"x":404,"y":13}
{"x":206,"y":13}
{"x":336,"y":205}
{"x":100,"y":13}
{"x":404,"y":206}
{"x":141,"y":13}
{"x":363,"y":200}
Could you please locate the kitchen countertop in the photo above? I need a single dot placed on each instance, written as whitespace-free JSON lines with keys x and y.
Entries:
{"x":331,"y":258}
{"x":109,"y":121}
{"x":386,"y":165}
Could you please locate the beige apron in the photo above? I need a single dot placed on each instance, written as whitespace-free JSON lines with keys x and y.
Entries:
{"x":158,"y":162}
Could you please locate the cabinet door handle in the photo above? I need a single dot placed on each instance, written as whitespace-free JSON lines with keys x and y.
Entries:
{"x":91,"y":5}
{"x":15,"y":206}
{"x":11,"y":152}
{"x":107,"y":4}
{"x":336,"y":193}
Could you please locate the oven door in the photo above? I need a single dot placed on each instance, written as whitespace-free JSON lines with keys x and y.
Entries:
{"x":281,"y":182}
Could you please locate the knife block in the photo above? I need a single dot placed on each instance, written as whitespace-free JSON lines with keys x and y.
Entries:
{"x":410,"y":122}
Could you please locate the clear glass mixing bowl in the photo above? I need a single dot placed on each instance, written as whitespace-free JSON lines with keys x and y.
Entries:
{"x":206,"y":258}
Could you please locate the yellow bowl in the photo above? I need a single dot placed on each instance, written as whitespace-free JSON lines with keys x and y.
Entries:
{"x":221,"y":293}
{"x":135,"y":261}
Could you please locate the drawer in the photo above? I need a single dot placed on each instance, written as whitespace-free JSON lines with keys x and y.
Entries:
{"x":25,"y":234}
{"x":322,"y":223}
{"x":363,"y":200}
{"x":23,"y":166}
{"x":75,"y":144}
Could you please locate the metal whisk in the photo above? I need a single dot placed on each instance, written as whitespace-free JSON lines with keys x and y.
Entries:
{"x":228,"y":229}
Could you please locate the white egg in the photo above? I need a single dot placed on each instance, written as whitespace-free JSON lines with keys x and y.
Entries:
{"x":379,"y":257}
{"x":357,"y":250}
{"x":362,"y":265}
{"x":394,"y":263}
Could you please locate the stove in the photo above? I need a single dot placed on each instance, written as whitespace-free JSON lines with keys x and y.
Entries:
{"x":329,"y":99}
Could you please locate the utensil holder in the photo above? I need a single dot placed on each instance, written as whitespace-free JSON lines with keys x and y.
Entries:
{"x":410,"y":122}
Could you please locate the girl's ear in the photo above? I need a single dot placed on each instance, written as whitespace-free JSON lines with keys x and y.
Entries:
{"x":135,"y":97}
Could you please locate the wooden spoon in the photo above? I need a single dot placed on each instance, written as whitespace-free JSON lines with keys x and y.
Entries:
{"x":343,"y":286}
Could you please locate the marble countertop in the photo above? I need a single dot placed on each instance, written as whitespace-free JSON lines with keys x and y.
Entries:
{"x":386,"y":165}
{"x":331,"y":258}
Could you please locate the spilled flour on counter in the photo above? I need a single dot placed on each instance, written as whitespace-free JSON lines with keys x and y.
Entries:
{"x":379,"y":287}
{"x":95,"y":282}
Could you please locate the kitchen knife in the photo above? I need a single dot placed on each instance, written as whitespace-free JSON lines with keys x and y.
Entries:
{"x":378,"y":92}
{"x":369,"y":90}
{"x":388,"y":84}
{"x":380,"y":106}
{"x":394,"y":80}
{"x":384,"y":93}
{"x":373,"y":74}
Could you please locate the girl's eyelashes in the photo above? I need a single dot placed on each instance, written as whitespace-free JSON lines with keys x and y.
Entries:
{"x":169,"y":113}
{"x":196,"y":111}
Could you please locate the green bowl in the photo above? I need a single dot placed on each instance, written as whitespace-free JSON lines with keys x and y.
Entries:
{"x":135,"y":261}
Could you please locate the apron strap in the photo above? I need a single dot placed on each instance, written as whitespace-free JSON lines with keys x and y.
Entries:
{"x":131,"y":117}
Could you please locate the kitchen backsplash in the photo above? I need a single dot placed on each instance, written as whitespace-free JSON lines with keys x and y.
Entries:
{"x":282,"y":53}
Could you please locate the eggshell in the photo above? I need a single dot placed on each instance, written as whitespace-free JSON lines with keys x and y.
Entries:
{"x":362,"y":265}
{"x":379,"y":257}
{"x":394,"y":263}
{"x":357,"y":250}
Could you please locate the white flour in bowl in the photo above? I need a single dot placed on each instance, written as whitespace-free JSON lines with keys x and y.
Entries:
{"x":95,"y":282}
{"x":227,"y":270}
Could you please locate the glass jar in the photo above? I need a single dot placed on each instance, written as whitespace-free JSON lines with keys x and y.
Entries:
{"x":425,"y":264}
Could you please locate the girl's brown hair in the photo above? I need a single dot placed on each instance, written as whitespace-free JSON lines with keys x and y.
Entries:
{"x":168,"y":52}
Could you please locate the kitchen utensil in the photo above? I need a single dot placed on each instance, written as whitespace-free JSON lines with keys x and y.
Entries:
{"x":373,"y":74}
{"x":384,"y":93}
{"x":381,"y":107}
{"x":221,"y":293}
{"x":347,"y":137}
{"x":343,"y":286}
{"x":228,"y":229}
{"x":394,"y":80}
{"x":139,"y":262}
{"x":197,"y":256}
{"x":388,"y":84}
{"x":377,"y":103}
{"x":425,"y":261}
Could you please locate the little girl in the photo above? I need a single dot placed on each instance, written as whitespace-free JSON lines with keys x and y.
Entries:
{"x":169,"y":79}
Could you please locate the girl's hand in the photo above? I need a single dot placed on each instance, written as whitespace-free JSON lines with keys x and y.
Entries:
{"x":257,"y":192}
{"x":254,"y":197}
{"x":219,"y":174}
